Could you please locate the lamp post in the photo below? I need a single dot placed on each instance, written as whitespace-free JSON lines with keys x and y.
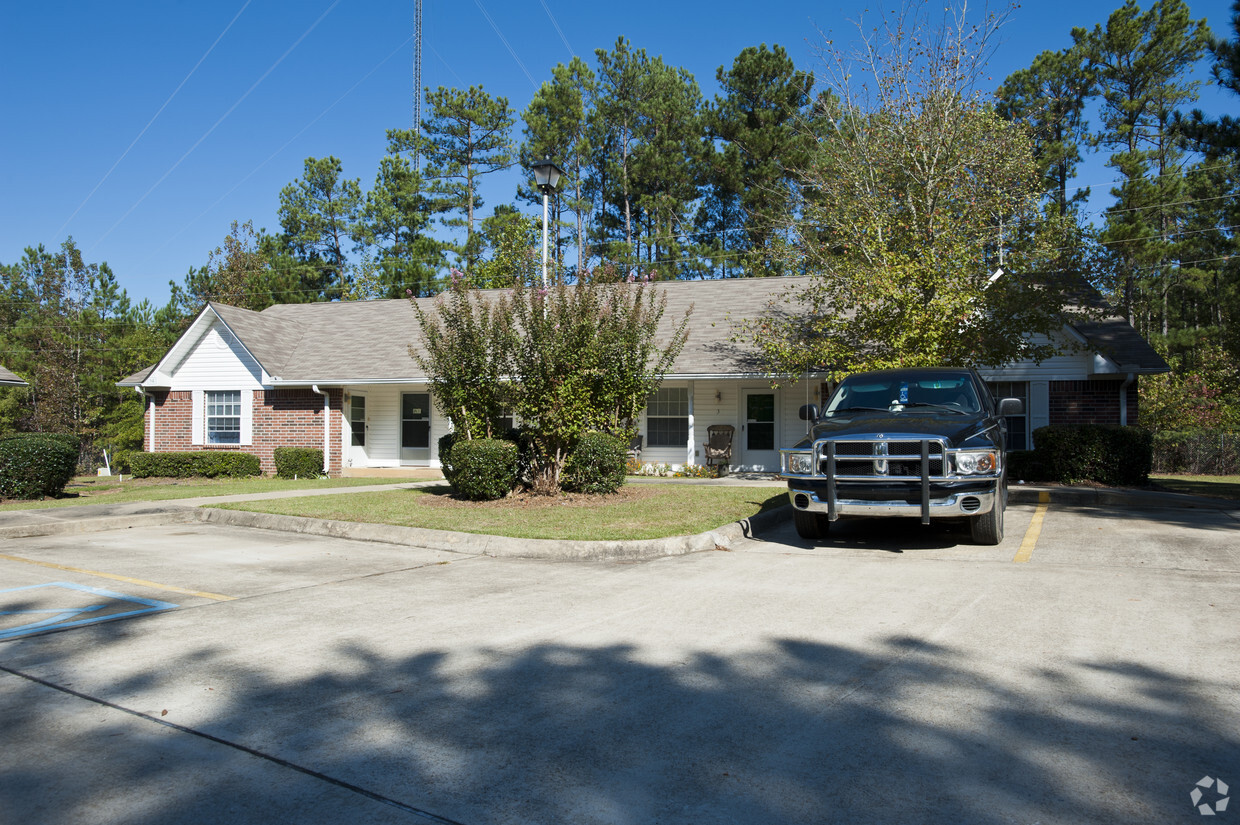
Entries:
{"x":546,"y":177}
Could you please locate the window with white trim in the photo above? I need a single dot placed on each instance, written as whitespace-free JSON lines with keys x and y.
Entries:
{"x":1017,"y":425}
{"x":667,"y":417}
{"x":223,"y":417}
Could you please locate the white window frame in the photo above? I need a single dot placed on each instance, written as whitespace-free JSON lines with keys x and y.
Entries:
{"x":661,"y":406}
{"x":223,"y":416}
{"x":203,"y":402}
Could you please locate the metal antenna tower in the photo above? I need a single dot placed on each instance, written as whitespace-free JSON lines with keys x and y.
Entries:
{"x":417,"y":78}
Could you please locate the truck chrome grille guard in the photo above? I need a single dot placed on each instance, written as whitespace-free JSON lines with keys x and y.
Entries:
{"x":898,"y":458}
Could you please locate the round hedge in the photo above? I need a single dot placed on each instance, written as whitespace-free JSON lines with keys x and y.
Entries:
{"x":34,"y":465}
{"x":597,"y":464}
{"x":483,"y":469}
{"x":298,"y":462}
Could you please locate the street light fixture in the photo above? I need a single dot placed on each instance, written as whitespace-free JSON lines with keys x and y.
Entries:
{"x":546,"y":177}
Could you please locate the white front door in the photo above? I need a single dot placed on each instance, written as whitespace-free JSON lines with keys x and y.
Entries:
{"x":359,"y":424}
{"x":758,"y":441}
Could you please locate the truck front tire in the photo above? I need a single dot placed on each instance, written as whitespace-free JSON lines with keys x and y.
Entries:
{"x":811,"y":526}
{"x":988,"y":527}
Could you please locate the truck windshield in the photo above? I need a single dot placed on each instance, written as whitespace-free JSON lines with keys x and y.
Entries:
{"x":924,"y":393}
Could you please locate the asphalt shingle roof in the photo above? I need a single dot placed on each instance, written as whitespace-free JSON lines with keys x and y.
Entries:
{"x":9,"y":379}
{"x":369,"y":341}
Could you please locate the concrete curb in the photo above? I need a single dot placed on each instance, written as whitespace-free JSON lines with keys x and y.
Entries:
{"x":1094,"y":496}
{"x":500,"y":546}
{"x":91,"y":524}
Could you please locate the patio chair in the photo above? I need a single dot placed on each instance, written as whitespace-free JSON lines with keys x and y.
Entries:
{"x":718,"y":446}
{"x":635,"y":449}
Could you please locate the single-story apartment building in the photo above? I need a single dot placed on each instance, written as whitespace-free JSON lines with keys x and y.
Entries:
{"x":339,"y":376}
{"x":8,"y":379}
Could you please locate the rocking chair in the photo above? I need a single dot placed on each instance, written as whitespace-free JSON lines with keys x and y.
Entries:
{"x":718,"y":446}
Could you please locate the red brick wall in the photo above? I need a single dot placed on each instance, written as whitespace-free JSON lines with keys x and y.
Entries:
{"x":280,"y":418}
{"x":1090,"y":402}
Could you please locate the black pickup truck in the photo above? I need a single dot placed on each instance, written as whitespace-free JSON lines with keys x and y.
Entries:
{"x":907,"y":442}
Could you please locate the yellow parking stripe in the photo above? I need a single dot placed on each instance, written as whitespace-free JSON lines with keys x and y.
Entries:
{"x":140,"y":582}
{"x":1035,"y":529}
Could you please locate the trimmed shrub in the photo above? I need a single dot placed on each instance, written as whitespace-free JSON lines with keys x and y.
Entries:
{"x":208,"y":464}
{"x":446,"y":443}
{"x":298,"y":462}
{"x":1105,"y":454}
{"x":1200,"y":452}
{"x":597,"y":464}
{"x":119,"y":461}
{"x":484,"y":468}
{"x":34,"y":465}
{"x":1026,"y":465}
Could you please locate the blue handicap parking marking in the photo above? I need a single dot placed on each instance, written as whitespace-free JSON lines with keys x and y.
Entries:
{"x":38,"y":608}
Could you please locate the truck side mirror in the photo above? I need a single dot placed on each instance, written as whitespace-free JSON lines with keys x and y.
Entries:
{"x":808,"y":412}
{"x":1011,"y":406}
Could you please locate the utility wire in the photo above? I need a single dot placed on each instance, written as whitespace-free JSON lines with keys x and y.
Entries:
{"x":504,"y":40}
{"x":559,"y":31}
{"x":274,"y":154}
{"x":155,"y":117}
{"x":215,"y":125}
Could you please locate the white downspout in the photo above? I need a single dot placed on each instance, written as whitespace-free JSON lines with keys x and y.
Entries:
{"x":1123,"y":398}
{"x":327,"y":429}
{"x":692,"y":437}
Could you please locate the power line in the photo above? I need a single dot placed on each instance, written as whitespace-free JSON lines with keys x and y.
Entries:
{"x":277,"y":152}
{"x":504,"y":40}
{"x":215,"y":125}
{"x":155,"y":117}
{"x":554,"y":22}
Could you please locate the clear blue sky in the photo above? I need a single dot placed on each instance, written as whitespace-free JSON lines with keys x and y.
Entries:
{"x":283,"y":80}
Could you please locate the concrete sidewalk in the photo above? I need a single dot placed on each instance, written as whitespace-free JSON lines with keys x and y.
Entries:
{"x":95,"y":517}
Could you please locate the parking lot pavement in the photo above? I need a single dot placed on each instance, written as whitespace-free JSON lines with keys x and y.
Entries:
{"x":891,"y":673}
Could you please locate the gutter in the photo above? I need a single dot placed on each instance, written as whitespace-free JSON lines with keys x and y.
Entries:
{"x":327,"y":428}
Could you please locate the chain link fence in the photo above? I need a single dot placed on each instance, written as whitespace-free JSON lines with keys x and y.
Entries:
{"x":1206,"y":452}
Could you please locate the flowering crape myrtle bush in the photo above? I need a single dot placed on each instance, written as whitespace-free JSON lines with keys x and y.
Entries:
{"x":567,"y":360}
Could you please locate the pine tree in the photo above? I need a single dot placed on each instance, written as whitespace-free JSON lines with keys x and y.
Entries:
{"x":319,"y":214}
{"x":468,"y":135}
{"x":757,"y":138}
{"x":555,"y":128}
{"x":1142,"y":61}
{"x":1050,"y":98}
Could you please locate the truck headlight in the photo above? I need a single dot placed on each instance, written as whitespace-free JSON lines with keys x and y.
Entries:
{"x":800,"y":464}
{"x":974,"y":463}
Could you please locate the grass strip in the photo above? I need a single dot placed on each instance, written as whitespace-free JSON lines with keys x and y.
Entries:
{"x":639,"y":511}
{"x":1227,"y":487}
{"x":109,"y":490}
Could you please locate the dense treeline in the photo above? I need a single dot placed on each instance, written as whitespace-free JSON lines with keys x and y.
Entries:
{"x":750,"y":182}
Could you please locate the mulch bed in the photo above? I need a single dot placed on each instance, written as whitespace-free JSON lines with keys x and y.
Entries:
{"x":524,"y":500}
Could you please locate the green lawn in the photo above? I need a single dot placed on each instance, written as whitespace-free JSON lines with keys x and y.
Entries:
{"x":110,"y":490}
{"x":639,"y":511}
{"x":1213,"y":486}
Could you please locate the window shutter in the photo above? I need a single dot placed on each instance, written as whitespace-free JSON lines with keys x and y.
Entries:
{"x":247,"y":416}
{"x":196,"y":418}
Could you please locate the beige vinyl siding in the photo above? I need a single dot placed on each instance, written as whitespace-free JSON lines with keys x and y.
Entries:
{"x":383,"y":412}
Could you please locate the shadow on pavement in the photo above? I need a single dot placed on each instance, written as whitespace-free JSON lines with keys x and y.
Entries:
{"x":789,"y":732}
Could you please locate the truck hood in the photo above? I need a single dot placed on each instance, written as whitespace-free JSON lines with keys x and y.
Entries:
{"x":955,"y":428}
